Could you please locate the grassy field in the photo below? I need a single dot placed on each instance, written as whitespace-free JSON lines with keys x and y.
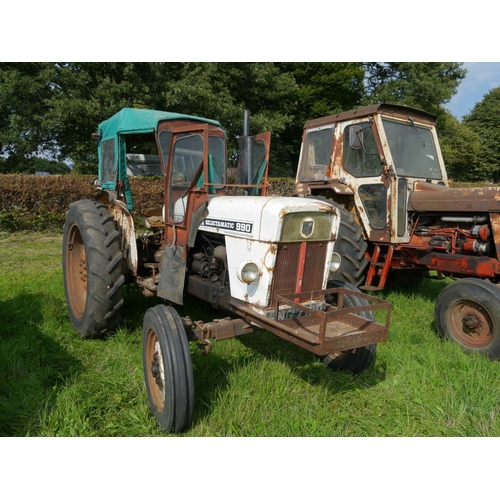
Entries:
{"x":52,"y":383}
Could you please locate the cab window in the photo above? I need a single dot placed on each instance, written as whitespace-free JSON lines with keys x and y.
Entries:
{"x":316,"y":154}
{"x":361,"y":156}
{"x":187,"y":161}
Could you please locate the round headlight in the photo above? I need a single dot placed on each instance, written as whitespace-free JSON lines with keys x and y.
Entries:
{"x":248,"y":272}
{"x":335,"y":263}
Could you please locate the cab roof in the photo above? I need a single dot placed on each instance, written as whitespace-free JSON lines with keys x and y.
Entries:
{"x":384,"y":109}
{"x":141,"y":121}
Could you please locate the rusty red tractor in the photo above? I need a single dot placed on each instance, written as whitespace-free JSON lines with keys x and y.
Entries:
{"x":262,"y":262}
{"x":381,"y":167}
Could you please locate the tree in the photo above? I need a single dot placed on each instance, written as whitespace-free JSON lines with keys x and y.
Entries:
{"x":322,"y":89}
{"x":223,"y":90}
{"x":460,"y":147}
{"x":52,"y":108}
{"x":84,"y":94}
{"x":484,"y":120}
{"x":24,"y":91}
{"x":424,"y":85}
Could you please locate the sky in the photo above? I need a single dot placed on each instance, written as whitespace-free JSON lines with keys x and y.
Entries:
{"x":480,"y":79}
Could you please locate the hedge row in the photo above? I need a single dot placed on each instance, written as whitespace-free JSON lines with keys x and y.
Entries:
{"x":40,"y":202}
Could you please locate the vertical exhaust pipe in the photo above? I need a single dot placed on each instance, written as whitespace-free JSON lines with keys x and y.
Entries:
{"x":246,"y":123}
{"x":245,"y":167}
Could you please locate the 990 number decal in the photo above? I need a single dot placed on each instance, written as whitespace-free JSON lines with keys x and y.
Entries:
{"x":244,"y":227}
{"x":231,"y":225}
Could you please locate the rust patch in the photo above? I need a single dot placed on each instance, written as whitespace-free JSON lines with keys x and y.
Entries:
{"x":456,"y":200}
{"x":272,"y":251}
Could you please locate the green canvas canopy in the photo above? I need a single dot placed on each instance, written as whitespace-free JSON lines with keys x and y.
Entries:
{"x":141,"y":121}
{"x":112,"y":144}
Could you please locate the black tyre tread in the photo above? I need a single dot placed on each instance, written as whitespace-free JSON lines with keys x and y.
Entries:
{"x":104,"y":273}
{"x":487,"y":294}
{"x":351,"y":246}
{"x":186,"y":353}
{"x":165,"y":417}
{"x":359,"y":359}
{"x":179,"y":368}
{"x":177,"y":413}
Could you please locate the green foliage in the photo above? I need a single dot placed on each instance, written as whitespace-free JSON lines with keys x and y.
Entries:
{"x":25,"y":89}
{"x":73,"y":98}
{"x":53,"y":108}
{"x":322,"y":89}
{"x":223,"y":90}
{"x":484,"y":120}
{"x":460,"y":146}
{"x":281,"y":186}
{"x":423,"y":85}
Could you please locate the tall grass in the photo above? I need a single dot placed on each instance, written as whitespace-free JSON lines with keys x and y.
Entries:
{"x":52,"y":383}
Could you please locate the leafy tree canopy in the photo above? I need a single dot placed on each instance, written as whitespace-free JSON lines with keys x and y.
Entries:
{"x":460,"y":147}
{"x":321,"y":89}
{"x":484,"y":120}
{"x":52,"y":108}
{"x":423,"y":85}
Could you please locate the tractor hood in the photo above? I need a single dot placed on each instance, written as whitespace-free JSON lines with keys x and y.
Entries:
{"x":261,"y":218}
{"x":429,"y":197}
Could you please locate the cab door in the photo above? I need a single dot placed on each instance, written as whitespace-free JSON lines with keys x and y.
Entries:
{"x":185,"y":205}
{"x":366,"y":174}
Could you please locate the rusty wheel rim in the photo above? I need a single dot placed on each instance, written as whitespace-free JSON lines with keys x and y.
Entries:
{"x":155,"y":370}
{"x":76,"y":271}
{"x":470,"y":323}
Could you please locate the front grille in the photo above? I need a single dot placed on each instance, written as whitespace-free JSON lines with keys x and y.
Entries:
{"x":287,"y":267}
{"x":292,"y":225}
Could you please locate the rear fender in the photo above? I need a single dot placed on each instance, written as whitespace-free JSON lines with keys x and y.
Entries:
{"x":128,"y":244}
{"x":445,"y":199}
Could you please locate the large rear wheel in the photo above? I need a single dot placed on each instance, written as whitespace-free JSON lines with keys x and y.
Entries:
{"x":355,"y":360}
{"x":92,"y":267}
{"x":168,"y":368}
{"x":468,"y":312}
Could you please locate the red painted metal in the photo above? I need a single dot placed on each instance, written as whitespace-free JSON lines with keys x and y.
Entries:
{"x":301,"y":266}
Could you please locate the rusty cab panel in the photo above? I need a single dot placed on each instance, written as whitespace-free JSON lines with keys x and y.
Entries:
{"x":365,"y":160}
{"x":184,"y":149}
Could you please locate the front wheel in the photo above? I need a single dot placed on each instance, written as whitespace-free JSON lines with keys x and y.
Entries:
{"x":468,"y":312}
{"x":354,"y":360}
{"x":168,"y":369}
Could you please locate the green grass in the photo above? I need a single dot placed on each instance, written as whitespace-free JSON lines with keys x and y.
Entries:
{"x":52,"y":383}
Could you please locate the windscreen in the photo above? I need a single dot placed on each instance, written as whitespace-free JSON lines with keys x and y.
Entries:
{"x":412,"y":149}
